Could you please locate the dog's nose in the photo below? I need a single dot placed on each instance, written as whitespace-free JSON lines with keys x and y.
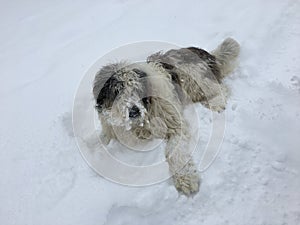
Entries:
{"x":134,"y":112}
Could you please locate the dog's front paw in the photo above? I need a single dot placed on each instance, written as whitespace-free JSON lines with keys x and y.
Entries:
{"x":187,"y":184}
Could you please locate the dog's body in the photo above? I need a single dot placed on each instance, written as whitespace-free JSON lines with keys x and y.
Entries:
{"x":146,"y":100}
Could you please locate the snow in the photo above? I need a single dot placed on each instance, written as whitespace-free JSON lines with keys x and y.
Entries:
{"x":47,"y":46}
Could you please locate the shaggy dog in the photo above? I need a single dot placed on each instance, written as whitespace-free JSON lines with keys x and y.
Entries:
{"x":146,"y":100}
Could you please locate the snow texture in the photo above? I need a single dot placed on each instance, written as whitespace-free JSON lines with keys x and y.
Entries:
{"x":47,"y":46}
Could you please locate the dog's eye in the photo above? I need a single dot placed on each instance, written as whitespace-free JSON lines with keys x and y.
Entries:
{"x":134,"y":112}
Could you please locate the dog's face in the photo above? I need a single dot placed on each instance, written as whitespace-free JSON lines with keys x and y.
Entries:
{"x":121,"y":93}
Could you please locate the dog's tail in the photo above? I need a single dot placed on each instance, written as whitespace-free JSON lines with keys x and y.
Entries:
{"x":226,"y":55}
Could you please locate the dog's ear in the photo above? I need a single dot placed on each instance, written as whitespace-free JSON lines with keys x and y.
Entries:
{"x":104,"y":74}
{"x":107,"y":85}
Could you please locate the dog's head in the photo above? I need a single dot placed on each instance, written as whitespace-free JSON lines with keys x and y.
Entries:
{"x":120,"y":92}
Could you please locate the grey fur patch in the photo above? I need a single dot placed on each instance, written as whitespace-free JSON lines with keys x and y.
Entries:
{"x":209,"y":59}
{"x":190,"y":55}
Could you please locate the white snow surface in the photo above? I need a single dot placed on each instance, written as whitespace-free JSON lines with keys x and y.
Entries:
{"x":47,"y":46}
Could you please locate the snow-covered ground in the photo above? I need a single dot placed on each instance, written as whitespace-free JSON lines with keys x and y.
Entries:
{"x":47,"y":46}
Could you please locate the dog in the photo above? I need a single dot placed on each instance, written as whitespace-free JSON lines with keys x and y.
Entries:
{"x":145,"y":100}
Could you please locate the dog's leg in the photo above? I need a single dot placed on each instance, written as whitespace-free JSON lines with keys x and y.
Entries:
{"x":167,"y":109}
{"x":185,"y":174}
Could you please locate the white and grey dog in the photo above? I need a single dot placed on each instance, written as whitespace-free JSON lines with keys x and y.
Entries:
{"x":146,"y":100}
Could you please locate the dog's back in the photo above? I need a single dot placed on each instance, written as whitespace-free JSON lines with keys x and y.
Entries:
{"x":220,"y":61}
{"x":199,"y":73}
